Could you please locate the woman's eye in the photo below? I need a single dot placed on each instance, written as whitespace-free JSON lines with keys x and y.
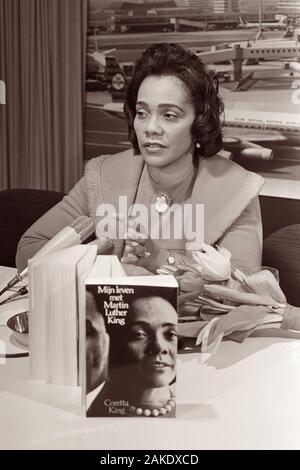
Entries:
{"x":90,"y":330}
{"x":170,"y":116}
{"x":141,"y":114}
{"x":171,"y":335}
{"x":140,"y":334}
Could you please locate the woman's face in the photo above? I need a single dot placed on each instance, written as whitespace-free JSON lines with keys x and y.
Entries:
{"x":152,"y":342}
{"x":163,"y":121}
{"x":97,"y":345}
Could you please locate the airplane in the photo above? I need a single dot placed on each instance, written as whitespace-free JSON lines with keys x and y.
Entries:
{"x":115,"y":74}
{"x":272,"y":25}
{"x":119,"y":73}
{"x":245,"y":129}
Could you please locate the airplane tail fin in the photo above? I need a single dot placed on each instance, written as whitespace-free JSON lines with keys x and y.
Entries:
{"x":283,"y":19}
{"x":243,"y":21}
{"x":289,"y":31}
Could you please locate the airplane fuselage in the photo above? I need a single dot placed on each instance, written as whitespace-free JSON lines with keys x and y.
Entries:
{"x":265,"y":26}
{"x":273,"y":121}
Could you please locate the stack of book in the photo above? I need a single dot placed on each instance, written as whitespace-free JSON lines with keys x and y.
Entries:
{"x":91,"y":325}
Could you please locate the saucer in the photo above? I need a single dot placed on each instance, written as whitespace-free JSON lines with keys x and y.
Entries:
{"x":20,"y":327}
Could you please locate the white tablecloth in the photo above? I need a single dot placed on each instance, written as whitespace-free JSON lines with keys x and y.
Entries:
{"x":246,"y":396}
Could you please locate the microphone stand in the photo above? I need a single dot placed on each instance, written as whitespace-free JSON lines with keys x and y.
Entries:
{"x":77,"y":232}
{"x":22,"y":291}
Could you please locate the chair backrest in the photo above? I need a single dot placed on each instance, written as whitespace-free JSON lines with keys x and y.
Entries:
{"x":281,"y":224}
{"x":278,"y":213}
{"x":19,"y":209}
{"x":282,"y":251}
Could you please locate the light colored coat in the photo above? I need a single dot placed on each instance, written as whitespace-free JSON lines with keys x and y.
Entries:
{"x":228,"y":192}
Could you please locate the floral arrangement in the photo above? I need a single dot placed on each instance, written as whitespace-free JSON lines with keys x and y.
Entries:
{"x":217,"y":299}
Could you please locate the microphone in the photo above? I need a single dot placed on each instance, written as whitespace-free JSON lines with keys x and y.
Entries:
{"x":74,"y":234}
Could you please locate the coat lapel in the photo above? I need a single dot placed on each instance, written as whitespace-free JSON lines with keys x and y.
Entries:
{"x":225,"y":189}
{"x":120,"y":176}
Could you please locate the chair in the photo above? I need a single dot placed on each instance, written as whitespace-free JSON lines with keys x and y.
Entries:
{"x":278,"y":213}
{"x":281,"y":249}
{"x":20,"y":208}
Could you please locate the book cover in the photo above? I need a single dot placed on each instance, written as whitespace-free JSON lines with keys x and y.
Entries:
{"x":131,"y":346}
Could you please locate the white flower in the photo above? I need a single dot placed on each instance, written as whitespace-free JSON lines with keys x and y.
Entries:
{"x":214,"y":264}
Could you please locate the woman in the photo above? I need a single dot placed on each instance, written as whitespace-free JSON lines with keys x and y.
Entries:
{"x":173,"y":112}
{"x":142,"y":362}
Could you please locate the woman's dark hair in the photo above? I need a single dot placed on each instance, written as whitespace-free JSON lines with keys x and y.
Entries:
{"x":165,"y":59}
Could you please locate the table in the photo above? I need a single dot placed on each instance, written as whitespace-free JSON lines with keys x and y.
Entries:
{"x":246,"y":396}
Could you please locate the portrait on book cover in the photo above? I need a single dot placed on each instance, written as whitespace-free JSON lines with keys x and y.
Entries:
{"x":131,"y":363}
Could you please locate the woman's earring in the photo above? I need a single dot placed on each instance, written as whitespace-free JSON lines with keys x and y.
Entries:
{"x":198,"y":145}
